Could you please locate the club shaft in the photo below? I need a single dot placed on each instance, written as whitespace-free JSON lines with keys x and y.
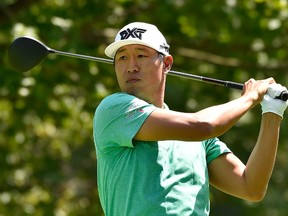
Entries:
{"x":224,"y":83}
{"x":102,"y":60}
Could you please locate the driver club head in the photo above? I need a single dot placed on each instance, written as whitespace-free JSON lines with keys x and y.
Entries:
{"x":26,"y":52}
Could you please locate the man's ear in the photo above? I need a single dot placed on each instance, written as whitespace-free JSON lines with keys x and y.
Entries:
{"x":167,"y":63}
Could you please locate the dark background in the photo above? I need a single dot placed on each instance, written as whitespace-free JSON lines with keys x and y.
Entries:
{"x":47,"y":156}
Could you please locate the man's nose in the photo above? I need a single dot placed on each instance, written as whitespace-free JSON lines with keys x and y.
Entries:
{"x":133,"y":65}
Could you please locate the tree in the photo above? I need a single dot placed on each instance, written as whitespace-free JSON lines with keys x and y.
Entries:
{"x":47,"y":152}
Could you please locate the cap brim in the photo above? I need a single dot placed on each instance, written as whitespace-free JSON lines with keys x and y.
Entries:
{"x":111,"y":50}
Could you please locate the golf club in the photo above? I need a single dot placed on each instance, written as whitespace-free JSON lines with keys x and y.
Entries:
{"x":26,"y":52}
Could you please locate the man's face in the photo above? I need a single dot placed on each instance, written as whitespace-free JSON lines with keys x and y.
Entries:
{"x":140,"y":71}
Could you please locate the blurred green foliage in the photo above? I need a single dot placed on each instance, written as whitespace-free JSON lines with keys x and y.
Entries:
{"x":47,"y":156}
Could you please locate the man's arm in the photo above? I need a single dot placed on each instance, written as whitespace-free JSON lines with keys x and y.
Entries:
{"x":205,"y":124}
{"x":249,"y":182}
{"x":211,"y":122}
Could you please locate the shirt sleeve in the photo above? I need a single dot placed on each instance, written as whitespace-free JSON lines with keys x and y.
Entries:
{"x":215,"y":148}
{"x":117,"y":120}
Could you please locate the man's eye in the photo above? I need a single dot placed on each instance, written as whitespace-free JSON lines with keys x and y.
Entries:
{"x":142,"y":56}
{"x":122,"y":58}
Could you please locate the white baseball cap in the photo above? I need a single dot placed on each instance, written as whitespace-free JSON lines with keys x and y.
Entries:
{"x":139,"y":33}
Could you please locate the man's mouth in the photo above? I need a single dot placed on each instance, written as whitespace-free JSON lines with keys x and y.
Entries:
{"x":132,"y":80}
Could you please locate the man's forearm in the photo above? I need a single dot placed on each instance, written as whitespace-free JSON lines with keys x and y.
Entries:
{"x":261,"y":161}
{"x":224,"y":116}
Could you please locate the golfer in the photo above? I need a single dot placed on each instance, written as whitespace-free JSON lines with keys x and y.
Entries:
{"x":155,"y":161}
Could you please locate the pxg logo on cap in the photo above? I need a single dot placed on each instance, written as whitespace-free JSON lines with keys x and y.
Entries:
{"x":134,"y":33}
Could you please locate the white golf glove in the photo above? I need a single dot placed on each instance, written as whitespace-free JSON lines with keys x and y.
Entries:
{"x":270,"y":103}
{"x":274,"y":90}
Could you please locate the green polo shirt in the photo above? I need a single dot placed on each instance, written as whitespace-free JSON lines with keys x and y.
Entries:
{"x":148,"y":178}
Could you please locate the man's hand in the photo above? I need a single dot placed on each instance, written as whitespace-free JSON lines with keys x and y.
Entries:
{"x":270,"y":103}
{"x":256,"y":89}
{"x":275,"y":90}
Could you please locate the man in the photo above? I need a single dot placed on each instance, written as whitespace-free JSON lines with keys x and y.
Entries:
{"x":154,"y":161}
